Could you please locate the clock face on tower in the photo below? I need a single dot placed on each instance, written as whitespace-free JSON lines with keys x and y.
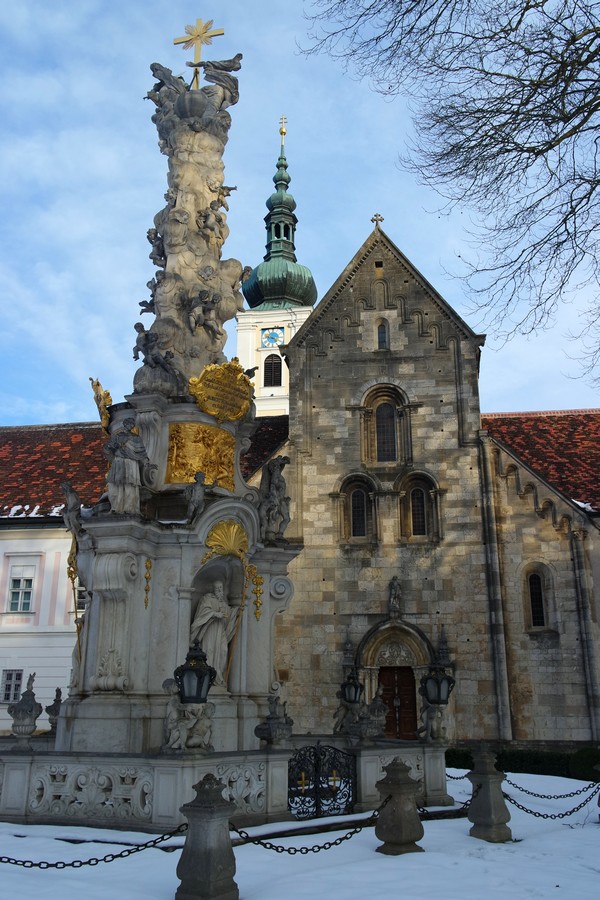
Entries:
{"x":271,"y":337}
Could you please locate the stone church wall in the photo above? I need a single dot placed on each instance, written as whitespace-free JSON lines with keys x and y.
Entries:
{"x":469,"y":572}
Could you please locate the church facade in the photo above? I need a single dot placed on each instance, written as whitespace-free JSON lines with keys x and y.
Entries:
{"x":426,"y":540}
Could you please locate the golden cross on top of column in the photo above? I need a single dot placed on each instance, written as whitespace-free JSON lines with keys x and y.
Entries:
{"x":195,"y":36}
{"x":282,"y":129}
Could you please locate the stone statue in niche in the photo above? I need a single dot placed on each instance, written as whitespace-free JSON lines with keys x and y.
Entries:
{"x":274,"y":505}
{"x":129,"y":462}
{"x":213,"y":627}
{"x":394,"y":597}
{"x":187,"y":726}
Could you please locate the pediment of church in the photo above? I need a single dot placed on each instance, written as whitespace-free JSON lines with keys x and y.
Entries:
{"x":380,"y":281}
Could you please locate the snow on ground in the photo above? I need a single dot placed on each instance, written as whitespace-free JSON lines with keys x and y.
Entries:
{"x":547,"y":858}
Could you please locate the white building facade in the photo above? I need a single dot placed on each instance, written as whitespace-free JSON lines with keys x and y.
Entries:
{"x":37,"y":617}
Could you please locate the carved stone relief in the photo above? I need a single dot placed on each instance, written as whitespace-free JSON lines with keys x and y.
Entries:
{"x":245,"y":785}
{"x":110,"y":675}
{"x":114,"y":792}
{"x":394,"y":654}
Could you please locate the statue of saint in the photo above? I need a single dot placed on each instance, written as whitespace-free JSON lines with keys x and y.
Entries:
{"x":213,"y":627}
{"x":129,"y":459}
{"x":274,"y":505}
{"x":394,"y":596}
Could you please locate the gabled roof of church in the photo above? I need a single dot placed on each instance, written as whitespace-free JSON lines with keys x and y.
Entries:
{"x":562,"y":447}
{"x":379,"y":239}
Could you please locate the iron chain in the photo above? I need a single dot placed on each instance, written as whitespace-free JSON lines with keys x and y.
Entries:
{"x":316,"y":848}
{"x":523,"y":790}
{"x":541,"y":815}
{"x":278,"y":848}
{"x":94,"y":861}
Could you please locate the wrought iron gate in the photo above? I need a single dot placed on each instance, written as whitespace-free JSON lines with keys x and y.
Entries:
{"x":321,"y":782}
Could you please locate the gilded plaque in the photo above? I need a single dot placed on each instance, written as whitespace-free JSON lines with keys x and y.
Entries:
{"x":200,"y":448}
{"x":223,"y":391}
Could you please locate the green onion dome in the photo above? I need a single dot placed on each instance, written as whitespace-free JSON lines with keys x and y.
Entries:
{"x":279,"y":281}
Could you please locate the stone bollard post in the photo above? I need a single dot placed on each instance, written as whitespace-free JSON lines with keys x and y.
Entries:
{"x":398,"y":825}
{"x":207,"y":863}
{"x":488,"y":810}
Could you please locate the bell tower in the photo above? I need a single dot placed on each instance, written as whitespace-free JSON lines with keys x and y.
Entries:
{"x":281,"y":294}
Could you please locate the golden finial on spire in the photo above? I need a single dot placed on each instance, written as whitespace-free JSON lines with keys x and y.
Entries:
{"x":282,"y":129}
{"x":195,"y":36}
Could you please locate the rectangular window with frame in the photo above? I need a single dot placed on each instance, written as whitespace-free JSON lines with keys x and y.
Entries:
{"x":20,"y":590}
{"x":12,"y":682}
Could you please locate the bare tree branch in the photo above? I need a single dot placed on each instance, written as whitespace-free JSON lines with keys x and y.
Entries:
{"x":506,"y":105}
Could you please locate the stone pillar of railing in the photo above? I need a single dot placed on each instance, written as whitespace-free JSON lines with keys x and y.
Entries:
{"x":207,"y":864}
{"x":488,"y":810}
{"x":398,"y":824}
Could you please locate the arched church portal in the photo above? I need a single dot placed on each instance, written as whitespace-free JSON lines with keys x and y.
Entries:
{"x":393,"y":657}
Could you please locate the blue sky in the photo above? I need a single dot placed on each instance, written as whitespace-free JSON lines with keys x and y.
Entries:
{"x":81,"y":178}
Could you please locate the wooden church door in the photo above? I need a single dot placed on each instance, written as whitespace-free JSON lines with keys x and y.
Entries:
{"x":399,"y":695}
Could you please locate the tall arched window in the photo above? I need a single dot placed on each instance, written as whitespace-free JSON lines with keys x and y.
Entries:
{"x":418,"y":511}
{"x":383,"y":335}
{"x":385,"y":432}
{"x":358,"y":512}
{"x":539,"y":598}
{"x":272,"y":371}
{"x":536,"y":601}
{"x":385,"y":426}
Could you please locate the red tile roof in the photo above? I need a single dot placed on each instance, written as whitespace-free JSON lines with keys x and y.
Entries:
{"x":34,"y":459}
{"x":563,"y":447}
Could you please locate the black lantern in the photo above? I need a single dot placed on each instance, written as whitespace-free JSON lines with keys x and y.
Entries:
{"x":351,"y":689}
{"x":195,"y":677}
{"x":437,"y":686}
